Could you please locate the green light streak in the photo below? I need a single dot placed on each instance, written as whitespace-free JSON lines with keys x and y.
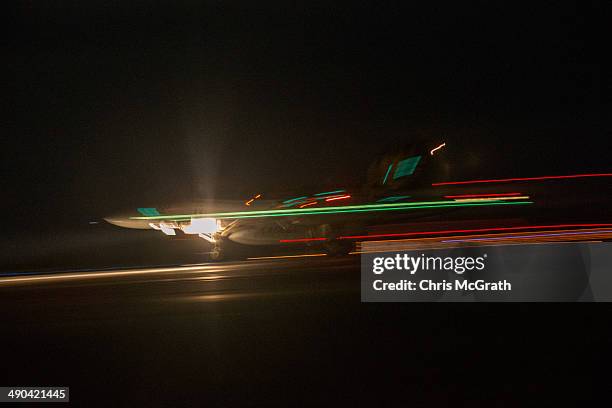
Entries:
{"x":380,"y":209}
{"x":291,"y":200}
{"x":329,"y":192}
{"x":392,"y":198}
{"x":333,"y":210}
{"x":387,"y":175}
{"x":294,"y":210}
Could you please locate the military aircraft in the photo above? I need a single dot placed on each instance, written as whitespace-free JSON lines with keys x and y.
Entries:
{"x":406,"y":193}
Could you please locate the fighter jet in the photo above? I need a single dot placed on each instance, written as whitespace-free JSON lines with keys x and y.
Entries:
{"x":407,"y":192}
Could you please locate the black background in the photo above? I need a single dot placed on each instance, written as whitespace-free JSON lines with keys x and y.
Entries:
{"x":113,"y":106}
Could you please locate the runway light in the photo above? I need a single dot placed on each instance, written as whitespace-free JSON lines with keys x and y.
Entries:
{"x":436,"y":149}
{"x":387,"y":174}
{"x":338,"y":198}
{"x":571,"y":176}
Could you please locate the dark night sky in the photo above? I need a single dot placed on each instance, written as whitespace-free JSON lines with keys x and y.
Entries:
{"x":113,"y":106}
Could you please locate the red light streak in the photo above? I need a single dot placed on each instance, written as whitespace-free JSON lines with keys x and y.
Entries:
{"x":308,"y":204}
{"x":482,"y":195}
{"x":571,"y":176}
{"x":338,"y":198}
{"x":407,"y":234}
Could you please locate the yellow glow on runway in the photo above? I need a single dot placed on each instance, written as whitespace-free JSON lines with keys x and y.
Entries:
{"x":374,"y":246}
{"x":286,"y":256}
{"x":80,"y":275}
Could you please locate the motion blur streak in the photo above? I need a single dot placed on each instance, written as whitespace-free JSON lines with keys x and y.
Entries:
{"x":481,"y":195}
{"x":87,"y":275}
{"x":447,"y":246}
{"x":447,"y":183}
{"x":462,"y":237}
{"x":249,"y":202}
{"x":329,"y":193}
{"x":387,"y":173}
{"x":436,"y":149}
{"x":331,"y":210}
{"x":338,"y":198}
{"x":286,"y":256}
{"x":445,"y":242}
{"x":394,"y":208}
{"x":472,"y":200}
{"x":467,"y":231}
{"x":291,"y":200}
{"x":303,"y":240}
{"x":603,"y":233}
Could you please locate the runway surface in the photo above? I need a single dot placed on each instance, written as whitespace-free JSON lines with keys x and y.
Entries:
{"x":273,"y":331}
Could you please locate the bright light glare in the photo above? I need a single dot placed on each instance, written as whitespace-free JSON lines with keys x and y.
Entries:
{"x":201,"y":226}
